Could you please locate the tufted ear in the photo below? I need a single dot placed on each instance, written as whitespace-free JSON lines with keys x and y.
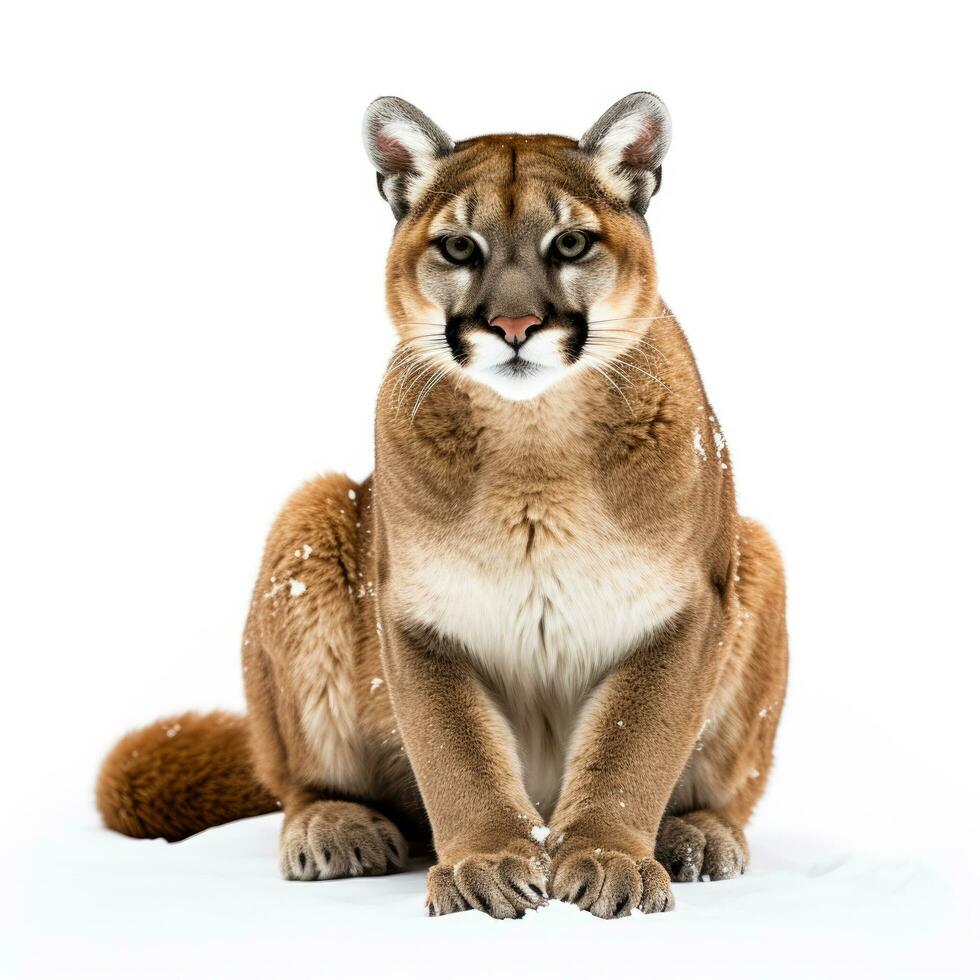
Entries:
{"x":404,"y":144}
{"x":628,"y":144}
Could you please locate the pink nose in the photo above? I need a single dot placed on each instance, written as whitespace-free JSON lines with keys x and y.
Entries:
{"x":515,"y":327}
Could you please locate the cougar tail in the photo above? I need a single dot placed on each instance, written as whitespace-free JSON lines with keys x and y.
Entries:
{"x":181,"y":775}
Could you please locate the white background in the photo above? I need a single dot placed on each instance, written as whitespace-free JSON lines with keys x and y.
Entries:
{"x":191,"y":270}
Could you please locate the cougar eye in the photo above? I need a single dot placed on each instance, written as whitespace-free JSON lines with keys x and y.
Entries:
{"x":571,"y":245}
{"x":459,"y":249}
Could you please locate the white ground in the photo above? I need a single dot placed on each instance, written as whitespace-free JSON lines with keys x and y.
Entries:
{"x":93,"y":904}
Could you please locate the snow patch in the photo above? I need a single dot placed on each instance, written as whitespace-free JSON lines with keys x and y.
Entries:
{"x":699,"y":449}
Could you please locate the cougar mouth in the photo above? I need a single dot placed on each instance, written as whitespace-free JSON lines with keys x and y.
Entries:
{"x":518,"y":367}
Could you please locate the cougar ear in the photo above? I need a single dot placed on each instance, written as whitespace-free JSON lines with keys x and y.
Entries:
{"x":404,"y":144}
{"x":628,"y":144}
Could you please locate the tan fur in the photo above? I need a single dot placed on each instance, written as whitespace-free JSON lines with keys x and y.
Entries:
{"x":545,"y":610}
{"x":181,"y":775}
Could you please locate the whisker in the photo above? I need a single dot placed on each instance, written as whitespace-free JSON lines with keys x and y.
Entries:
{"x":620,"y":374}
{"x":620,"y":319}
{"x":434,"y":340}
{"x":622,"y":349}
{"x":407,"y":382}
{"x":419,"y":374}
{"x":598,"y":334}
{"x":594,"y":365}
{"x":400,"y":360}
{"x":609,"y":365}
{"x":427,"y":389}
{"x":414,"y":373}
{"x":414,"y":348}
{"x":415,"y":365}
{"x":623,"y":356}
{"x":630,"y":364}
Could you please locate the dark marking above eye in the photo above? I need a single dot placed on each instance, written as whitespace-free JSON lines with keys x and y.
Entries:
{"x":555,"y":206}
{"x":511,"y":194}
{"x":471,"y":208}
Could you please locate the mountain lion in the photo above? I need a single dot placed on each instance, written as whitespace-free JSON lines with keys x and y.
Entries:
{"x":540,"y":638}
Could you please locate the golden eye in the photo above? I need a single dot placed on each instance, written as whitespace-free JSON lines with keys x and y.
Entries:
{"x":460,"y":249}
{"x":571,"y":245}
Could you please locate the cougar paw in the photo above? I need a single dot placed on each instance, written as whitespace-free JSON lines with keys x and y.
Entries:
{"x":680,"y":849}
{"x":657,"y":896}
{"x":725,"y":856}
{"x":701,"y":845}
{"x":504,"y":886}
{"x":339,"y":840}
{"x":610,"y":884}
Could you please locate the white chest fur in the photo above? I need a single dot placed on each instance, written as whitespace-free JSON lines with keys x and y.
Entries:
{"x":543,"y":612}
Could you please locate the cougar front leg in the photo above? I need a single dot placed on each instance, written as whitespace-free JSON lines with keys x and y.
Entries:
{"x":464,"y":759}
{"x":627,"y":756}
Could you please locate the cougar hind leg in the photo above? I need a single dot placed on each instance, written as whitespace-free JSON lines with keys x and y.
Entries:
{"x":702,"y":834}
{"x":323,"y":733}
